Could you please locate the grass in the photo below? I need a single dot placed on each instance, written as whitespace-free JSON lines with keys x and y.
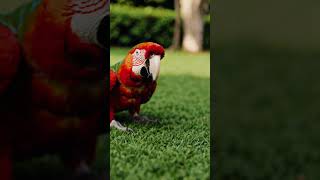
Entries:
{"x":267,"y":113}
{"x":179,"y":146}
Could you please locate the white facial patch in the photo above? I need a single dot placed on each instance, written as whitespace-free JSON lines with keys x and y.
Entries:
{"x":138,"y":60}
{"x":86,"y":18}
{"x":138,"y":57}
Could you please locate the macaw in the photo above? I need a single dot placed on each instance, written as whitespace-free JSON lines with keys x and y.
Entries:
{"x":52,"y":81}
{"x":133,"y":81}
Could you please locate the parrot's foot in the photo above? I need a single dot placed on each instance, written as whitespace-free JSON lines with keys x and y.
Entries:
{"x":118,"y":125}
{"x":143,"y":119}
{"x":83,"y":172}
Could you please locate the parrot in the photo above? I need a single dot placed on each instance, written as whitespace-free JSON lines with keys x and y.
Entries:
{"x":53,"y":56}
{"x":133,"y":82}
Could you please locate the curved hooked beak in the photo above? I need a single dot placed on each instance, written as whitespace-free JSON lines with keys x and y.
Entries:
{"x":154,"y":67}
{"x":103,"y":31}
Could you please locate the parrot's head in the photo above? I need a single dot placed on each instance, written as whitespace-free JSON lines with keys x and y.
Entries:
{"x":144,"y":60}
{"x":89,"y":20}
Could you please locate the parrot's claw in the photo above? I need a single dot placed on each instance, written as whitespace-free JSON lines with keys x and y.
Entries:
{"x":83,"y":172}
{"x":118,"y":125}
{"x":143,"y":119}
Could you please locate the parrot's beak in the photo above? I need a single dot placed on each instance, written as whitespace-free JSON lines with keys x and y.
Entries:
{"x":103,"y":29}
{"x":155,"y":66}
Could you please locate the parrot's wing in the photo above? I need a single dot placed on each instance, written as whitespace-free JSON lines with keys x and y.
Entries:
{"x":9,"y":57}
{"x":113,"y":79}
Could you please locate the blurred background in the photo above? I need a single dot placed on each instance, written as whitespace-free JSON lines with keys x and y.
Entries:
{"x":172,"y":23}
{"x":178,"y":147}
{"x":266,"y":69}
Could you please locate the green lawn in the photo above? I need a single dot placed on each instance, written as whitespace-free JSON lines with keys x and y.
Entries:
{"x":179,"y":145}
{"x":267,"y":114}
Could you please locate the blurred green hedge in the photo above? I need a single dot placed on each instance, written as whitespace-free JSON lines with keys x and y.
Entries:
{"x":168,"y":4}
{"x":131,"y":25}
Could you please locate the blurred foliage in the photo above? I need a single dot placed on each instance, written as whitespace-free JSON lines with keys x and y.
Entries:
{"x":131,"y":25}
{"x":169,"y":4}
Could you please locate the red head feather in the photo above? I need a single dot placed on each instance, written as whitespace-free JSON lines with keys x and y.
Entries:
{"x":151,"y":49}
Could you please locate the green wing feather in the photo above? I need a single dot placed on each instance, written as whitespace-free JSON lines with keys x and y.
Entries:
{"x":16,"y":19}
{"x":116,"y":66}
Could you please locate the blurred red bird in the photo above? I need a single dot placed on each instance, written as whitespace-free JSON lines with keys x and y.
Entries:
{"x":51,"y":81}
